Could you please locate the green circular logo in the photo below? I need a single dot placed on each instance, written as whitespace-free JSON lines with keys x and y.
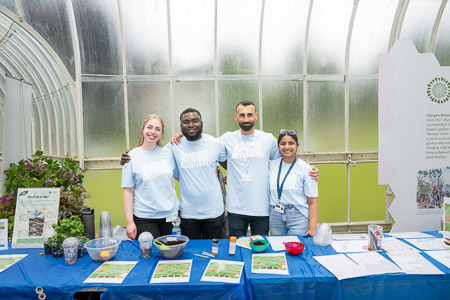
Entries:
{"x":439,"y":90}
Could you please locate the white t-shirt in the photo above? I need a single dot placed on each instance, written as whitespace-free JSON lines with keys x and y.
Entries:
{"x":201,"y":195}
{"x":151,"y":174}
{"x":297,"y":187}
{"x":248,"y":159}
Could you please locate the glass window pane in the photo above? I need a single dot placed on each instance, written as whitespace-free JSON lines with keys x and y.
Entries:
{"x":52,"y":118}
{"x":146,"y":37}
{"x":198,"y":95}
{"x":146,"y":98}
{"x":370,"y":34}
{"x":1,"y":127}
{"x":192,"y":32}
{"x":9,"y":4}
{"x":325,"y":117}
{"x":284,"y":36}
{"x":367,"y":198}
{"x":45,"y":123}
{"x":418,"y":22}
{"x":99,"y":34}
{"x":333,"y":193}
{"x":50,"y":19}
{"x":103,"y":113}
{"x":238,"y":24}
{"x":37,"y":125}
{"x":231,"y":92}
{"x":363,"y":115}
{"x":283,"y":107}
{"x":328,"y":36}
{"x":442,"y":42}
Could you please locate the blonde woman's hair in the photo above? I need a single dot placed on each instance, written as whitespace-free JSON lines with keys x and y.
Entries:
{"x":148,"y":118}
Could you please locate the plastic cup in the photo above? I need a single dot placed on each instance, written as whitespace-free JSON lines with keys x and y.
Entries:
{"x":70,"y":246}
{"x":105,"y":229}
{"x":375,"y":233}
{"x":145,"y":243}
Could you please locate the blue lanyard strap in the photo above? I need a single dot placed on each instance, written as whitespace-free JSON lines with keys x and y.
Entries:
{"x":280,"y":188}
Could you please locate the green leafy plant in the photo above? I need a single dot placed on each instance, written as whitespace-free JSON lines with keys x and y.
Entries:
{"x":71,"y":227}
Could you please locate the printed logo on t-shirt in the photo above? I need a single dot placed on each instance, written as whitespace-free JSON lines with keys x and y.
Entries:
{"x":290,"y":183}
{"x":154,"y":169}
{"x":247,"y":150}
{"x":194,"y":160}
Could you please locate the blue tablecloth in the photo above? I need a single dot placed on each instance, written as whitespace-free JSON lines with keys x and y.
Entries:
{"x":307,"y":279}
{"x":310,"y":280}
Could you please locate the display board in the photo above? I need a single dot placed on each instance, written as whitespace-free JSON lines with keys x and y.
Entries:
{"x":36,"y":212}
{"x":414,"y":136}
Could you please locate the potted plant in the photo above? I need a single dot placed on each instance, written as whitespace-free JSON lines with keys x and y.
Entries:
{"x":55,"y":242}
{"x":71,"y":227}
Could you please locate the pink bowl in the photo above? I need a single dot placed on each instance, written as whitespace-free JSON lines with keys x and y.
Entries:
{"x":294,"y":251}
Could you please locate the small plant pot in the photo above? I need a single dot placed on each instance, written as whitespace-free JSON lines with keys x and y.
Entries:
{"x":47,"y":248}
{"x":80,"y":251}
{"x":57,"y":252}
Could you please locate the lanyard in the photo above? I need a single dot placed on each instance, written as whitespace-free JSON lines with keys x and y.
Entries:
{"x":280,"y":188}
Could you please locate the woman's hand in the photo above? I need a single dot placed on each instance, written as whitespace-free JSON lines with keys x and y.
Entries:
{"x":311,"y":231}
{"x":125,"y":158}
{"x":131,"y":230}
{"x":176,"y":138}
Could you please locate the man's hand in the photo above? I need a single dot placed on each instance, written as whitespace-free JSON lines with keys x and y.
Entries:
{"x":314,"y":173}
{"x":125,"y":158}
{"x":176,"y":138}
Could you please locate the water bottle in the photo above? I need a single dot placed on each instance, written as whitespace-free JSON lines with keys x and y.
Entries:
{"x":176,"y":230}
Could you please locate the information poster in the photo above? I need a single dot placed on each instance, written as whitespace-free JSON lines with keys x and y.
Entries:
{"x":414,"y":136}
{"x":8,"y":260}
{"x":447,"y":220}
{"x":111,"y":272}
{"x":36,"y":212}
{"x":3,"y":234}
{"x":172,"y":271}
{"x":223,"y":271}
{"x":270,"y":263}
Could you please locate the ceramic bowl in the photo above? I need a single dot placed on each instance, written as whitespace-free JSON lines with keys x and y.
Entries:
{"x":259,"y":248}
{"x":292,"y":250}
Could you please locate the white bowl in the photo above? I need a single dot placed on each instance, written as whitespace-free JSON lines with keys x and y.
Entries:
{"x":102,"y":249}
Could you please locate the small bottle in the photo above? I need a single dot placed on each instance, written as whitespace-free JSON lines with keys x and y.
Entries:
{"x":215,"y":247}
{"x":232,"y":248}
{"x":176,"y":230}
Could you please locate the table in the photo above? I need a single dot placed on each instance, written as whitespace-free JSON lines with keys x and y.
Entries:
{"x":310,"y":280}
{"x":307,"y":279}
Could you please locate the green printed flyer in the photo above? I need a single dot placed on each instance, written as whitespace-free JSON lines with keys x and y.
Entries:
{"x":111,"y":272}
{"x":270,"y":263}
{"x":8,"y":260}
{"x":172,"y":271}
{"x":223,"y":271}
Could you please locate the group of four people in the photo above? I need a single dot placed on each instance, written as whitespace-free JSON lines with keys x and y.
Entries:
{"x":268,"y":187}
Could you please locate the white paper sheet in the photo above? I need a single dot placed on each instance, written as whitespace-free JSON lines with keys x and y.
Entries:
{"x":349,"y":236}
{"x":8,"y":260}
{"x":414,"y":263}
{"x":169,"y":271}
{"x":429,"y":244}
{"x":393,"y":245}
{"x":350,"y":246}
{"x":410,"y":235}
{"x":442,"y":256}
{"x":223,"y":271}
{"x":374,"y":263}
{"x":341,"y":266}
{"x":276,"y":242}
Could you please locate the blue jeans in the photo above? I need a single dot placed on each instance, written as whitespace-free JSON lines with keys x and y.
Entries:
{"x":291,"y":222}
{"x":238,"y":225}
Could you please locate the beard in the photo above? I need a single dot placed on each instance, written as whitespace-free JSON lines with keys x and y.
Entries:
{"x":247,"y":126}
{"x":192,"y":137}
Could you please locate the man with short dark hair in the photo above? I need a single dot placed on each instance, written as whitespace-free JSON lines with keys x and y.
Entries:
{"x":249,"y":152}
{"x":197,"y":155}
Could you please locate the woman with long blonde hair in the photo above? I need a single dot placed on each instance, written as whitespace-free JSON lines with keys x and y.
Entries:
{"x":147,"y":180}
